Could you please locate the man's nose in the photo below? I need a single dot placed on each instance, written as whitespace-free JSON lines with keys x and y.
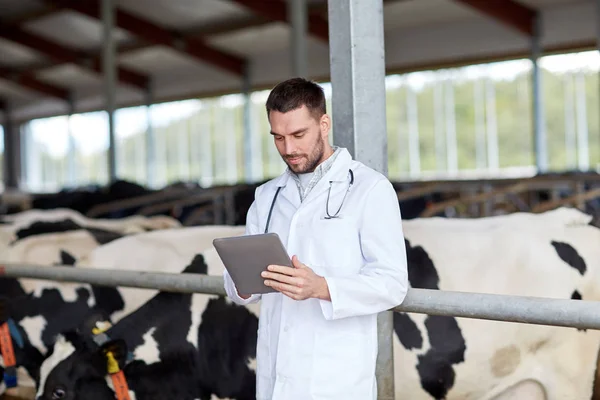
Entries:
{"x":290,"y":146}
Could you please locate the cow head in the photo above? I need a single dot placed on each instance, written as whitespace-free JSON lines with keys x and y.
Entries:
{"x":77,"y":369}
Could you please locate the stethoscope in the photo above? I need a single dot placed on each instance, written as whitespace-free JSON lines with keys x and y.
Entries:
{"x":329,"y":216}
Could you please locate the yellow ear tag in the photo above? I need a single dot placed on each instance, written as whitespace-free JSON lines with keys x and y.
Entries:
{"x":113,"y":365}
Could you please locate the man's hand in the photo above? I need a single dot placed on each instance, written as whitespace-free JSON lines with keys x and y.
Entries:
{"x":298,"y":283}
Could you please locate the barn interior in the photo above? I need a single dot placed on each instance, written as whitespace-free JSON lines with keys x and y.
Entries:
{"x":490,"y":106}
{"x":115,"y":109}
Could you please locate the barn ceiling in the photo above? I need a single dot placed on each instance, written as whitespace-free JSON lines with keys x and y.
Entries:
{"x":50,"y":50}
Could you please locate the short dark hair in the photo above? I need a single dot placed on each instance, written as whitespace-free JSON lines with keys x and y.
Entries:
{"x":295,"y":93}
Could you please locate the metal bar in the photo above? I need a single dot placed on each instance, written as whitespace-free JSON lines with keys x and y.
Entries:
{"x":414,"y":155}
{"x":180,"y":283}
{"x":438,"y":118}
{"x":150,"y":140}
{"x":581,"y":314}
{"x":541,"y":151}
{"x":12,"y":152}
{"x":451,"y":145}
{"x":491,"y":125}
{"x":298,"y":16}
{"x":570,"y":138}
{"x":478,"y":94}
{"x":248,"y":136}
{"x":72,"y":152}
{"x":357,"y":64}
{"x":110,"y":79}
{"x":582,"y":123}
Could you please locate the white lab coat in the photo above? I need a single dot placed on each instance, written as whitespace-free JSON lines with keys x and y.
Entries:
{"x":316,"y":349}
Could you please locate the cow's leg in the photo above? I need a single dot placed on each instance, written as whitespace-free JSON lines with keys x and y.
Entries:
{"x":525,"y":390}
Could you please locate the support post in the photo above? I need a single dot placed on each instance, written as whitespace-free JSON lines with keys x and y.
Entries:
{"x":598,"y":46}
{"x":150,"y":139}
{"x":357,"y":63}
{"x":541,"y":152}
{"x":248,"y":137}
{"x":12,"y":152}
{"x":491,"y":125}
{"x":109,"y":69}
{"x":298,"y":17}
{"x":570,"y":137}
{"x":72,"y":152}
{"x":583,"y":153}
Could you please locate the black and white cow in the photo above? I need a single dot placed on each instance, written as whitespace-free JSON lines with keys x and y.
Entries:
{"x":42,"y":309}
{"x":555,"y":254}
{"x":182,"y":347}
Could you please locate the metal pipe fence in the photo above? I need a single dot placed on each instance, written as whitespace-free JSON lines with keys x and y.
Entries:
{"x":582,"y":314}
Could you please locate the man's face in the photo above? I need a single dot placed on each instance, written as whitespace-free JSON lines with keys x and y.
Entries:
{"x":300,"y":138}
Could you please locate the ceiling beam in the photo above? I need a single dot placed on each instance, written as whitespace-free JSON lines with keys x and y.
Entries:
{"x":31,"y":82}
{"x":63,"y":54}
{"x":509,"y":12}
{"x":194,"y":47}
{"x":277,"y":11}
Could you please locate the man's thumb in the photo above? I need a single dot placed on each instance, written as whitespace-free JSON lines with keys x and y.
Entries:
{"x":296,"y":263}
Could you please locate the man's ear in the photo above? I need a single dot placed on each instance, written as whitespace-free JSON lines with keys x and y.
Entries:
{"x":325,"y":125}
{"x":118,"y":351}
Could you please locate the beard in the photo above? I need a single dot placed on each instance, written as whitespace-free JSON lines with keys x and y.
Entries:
{"x":311,"y":160}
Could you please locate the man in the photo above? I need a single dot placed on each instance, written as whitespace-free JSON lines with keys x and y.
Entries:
{"x":340,"y":221}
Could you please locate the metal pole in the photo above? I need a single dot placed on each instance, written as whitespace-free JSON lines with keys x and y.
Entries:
{"x":110,"y":78}
{"x":357,"y":63}
{"x":581,"y":314}
{"x":491,"y":125}
{"x":541,"y":152}
{"x":570,"y":138}
{"x":582,"y":123}
{"x":438,"y":118}
{"x":298,"y":17}
{"x":248,"y":136}
{"x":413,"y":132}
{"x":12,"y":151}
{"x":478,"y":93}
{"x":72,"y":152}
{"x":150,"y":139}
{"x":451,"y":145}
{"x":598,"y":46}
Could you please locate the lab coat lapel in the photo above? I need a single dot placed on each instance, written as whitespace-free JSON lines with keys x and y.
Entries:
{"x":289,"y":189}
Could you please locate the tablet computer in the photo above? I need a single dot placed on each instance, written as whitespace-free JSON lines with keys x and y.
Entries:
{"x":245,"y":257}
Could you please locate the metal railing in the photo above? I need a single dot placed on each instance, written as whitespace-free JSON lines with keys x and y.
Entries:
{"x":582,"y":314}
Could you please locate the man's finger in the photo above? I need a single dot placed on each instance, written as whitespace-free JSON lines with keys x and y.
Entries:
{"x":282,"y":286}
{"x":283,"y":270}
{"x":281,"y":278}
{"x":296,"y":262}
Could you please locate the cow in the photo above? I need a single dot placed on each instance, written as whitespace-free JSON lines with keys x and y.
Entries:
{"x":131,"y":224}
{"x":42,"y":309}
{"x":554,"y":254}
{"x":180,"y":346}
